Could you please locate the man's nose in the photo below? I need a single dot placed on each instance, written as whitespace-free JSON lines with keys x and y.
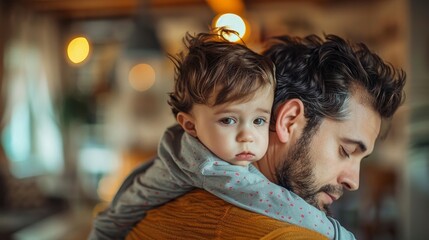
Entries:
{"x":350,"y":177}
{"x":245,"y":135}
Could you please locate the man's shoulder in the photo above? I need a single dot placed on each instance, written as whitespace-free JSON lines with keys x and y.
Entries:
{"x":201,"y":215}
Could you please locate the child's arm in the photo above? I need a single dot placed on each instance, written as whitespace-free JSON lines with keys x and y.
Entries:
{"x":148,"y":190}
{"x":102,"y":224}
{"x":163,"y":181}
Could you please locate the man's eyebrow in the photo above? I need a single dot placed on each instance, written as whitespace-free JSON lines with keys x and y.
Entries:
{"x":361,"y":145}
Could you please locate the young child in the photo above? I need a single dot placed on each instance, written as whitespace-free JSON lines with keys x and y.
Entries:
{"x":222,"y":101}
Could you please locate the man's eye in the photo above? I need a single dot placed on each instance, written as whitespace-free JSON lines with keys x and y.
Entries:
{"x":228,"y":121}
{"x":344,"y":152}
{"x":259,"y":121}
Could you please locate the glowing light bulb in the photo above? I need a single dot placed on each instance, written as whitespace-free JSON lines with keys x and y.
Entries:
{"x":233,"y":22}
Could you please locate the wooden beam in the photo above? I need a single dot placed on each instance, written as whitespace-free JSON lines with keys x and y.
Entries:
{"x":72,"y":9}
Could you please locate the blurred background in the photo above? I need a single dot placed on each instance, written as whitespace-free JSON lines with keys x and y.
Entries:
{"x":84,"y":87}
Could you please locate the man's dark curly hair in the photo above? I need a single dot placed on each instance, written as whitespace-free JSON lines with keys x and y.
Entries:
{"x":324,"y":74}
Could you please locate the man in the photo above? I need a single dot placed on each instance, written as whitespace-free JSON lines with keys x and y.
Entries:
{"x":330,"y":99}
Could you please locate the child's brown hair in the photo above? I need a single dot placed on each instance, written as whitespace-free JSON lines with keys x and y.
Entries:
{"x":215,"y":65}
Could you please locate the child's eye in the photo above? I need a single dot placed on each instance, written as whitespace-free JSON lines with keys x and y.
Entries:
{"x":228,"y":121}
{"x":259,"y":121}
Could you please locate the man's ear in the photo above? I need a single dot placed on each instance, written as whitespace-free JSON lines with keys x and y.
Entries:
{"x":187,"y":122}
{"x":290,"y":115}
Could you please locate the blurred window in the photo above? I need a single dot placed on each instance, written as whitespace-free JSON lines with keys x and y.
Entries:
{"x":31,"y":137}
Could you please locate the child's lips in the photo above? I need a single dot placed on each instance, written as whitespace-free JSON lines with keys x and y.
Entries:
{"x":244,"y":156}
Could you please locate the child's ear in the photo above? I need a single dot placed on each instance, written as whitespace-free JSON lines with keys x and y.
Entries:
{"x":290,"y":116}
{"x":187,"y":122}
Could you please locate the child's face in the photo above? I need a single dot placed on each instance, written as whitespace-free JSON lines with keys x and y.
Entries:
{"x":236,"y":132}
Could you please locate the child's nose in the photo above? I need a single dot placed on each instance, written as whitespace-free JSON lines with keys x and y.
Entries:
{"x":245,"y":136}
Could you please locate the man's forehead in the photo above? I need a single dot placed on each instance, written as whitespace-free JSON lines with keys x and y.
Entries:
{"x":363,"y":122}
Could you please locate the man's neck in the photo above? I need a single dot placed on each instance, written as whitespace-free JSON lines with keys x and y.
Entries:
{"x":273,"y":159}
{"x":264,"y":167}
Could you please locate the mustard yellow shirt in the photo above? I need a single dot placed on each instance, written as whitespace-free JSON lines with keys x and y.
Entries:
{"x":201,"y":215}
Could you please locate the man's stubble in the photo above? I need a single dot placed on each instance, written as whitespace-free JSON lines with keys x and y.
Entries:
{"x":297,"y":175}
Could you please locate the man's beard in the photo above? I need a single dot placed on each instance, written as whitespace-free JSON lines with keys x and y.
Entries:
{"x":297,"y":175}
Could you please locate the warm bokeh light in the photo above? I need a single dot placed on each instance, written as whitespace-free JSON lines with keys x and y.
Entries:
{"x":224,"y":6}
{"x":142,"y":77}
{"x":78,"y":50}
{"x":233,"y":22}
